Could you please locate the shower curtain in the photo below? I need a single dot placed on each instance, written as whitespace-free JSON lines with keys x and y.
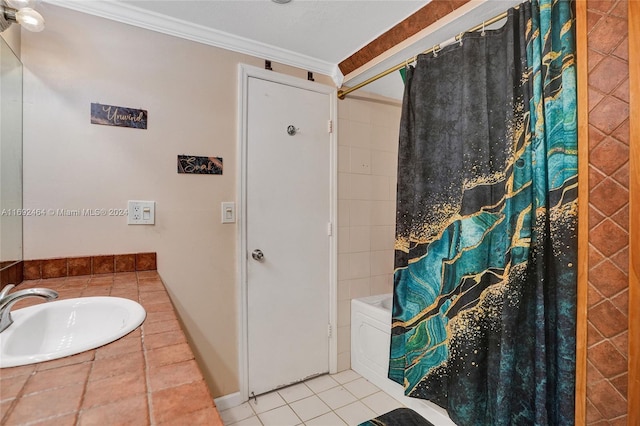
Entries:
{"x":485,"y":269}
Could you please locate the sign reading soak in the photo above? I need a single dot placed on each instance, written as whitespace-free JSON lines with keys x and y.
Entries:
{"x":192,"y":164}
{"x":110,"y":115}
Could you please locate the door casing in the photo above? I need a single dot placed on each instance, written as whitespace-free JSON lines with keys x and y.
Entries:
{"x":244,"y":73}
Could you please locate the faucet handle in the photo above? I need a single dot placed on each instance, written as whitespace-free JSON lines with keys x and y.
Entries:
{"x":6,"y":289}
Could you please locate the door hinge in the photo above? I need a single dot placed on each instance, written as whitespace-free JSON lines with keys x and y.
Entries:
{"x":329,"y":229}
{"x":330,"y":126}
{"x":329,"y":330}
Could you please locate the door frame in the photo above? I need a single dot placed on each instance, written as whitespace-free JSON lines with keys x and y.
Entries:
{"x":244,"y":73}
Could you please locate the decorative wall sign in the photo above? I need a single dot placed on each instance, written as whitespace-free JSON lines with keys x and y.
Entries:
{"x":192,"y":164}
{"x":110,"y":115}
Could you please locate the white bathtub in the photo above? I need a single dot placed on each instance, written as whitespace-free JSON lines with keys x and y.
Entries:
{"x":370,"y":338}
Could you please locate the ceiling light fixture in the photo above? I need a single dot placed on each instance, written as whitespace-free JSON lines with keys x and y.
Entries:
{"x":22,"y":14}
{"x":281,"y":1}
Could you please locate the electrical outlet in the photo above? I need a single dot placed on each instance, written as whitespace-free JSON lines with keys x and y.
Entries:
{"x":141,"y":213}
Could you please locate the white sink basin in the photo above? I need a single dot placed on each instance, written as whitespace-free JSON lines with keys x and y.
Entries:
{"x":57,"y":329}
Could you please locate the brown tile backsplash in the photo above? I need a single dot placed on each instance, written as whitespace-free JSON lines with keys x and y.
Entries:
{"x":86,"y":265}
{"x":125,"y":262}
{"x":54,"y":268}
{"x":79,"y":266}
{"x":102,"y":264}
{"x":32,"y":269}
{"x":146,"y":262}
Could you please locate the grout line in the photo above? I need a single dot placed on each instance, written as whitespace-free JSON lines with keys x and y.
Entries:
{"x":288,"y":404}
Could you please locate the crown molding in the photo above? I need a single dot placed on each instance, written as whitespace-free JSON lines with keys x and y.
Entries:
{"x":128,"y":14}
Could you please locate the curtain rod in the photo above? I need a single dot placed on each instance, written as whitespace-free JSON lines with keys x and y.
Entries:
{"x":342,"y":93}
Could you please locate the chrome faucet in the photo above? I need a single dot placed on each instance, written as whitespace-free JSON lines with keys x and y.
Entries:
{"x":8,"y":300}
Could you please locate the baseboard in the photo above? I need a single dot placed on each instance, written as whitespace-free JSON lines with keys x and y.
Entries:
{"x":229,"y":401}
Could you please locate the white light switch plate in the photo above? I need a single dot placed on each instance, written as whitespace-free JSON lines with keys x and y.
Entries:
{"x":141,"y":213}
{"x":228,"y":212}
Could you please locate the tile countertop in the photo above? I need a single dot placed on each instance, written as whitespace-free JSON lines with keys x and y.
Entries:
{"x":149,"y":376}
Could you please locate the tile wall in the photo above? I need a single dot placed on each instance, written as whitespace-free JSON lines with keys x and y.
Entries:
{"x":367,"y":170}
{"x":88,"y":265}
{"x":608,"y":295}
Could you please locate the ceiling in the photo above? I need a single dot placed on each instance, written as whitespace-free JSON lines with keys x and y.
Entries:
{"x":315,"y":35}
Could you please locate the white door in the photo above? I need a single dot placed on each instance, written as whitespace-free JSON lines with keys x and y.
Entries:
{"x":288,"y":215}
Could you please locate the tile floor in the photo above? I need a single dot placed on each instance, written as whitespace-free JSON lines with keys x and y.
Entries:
{"x":339,"y":399}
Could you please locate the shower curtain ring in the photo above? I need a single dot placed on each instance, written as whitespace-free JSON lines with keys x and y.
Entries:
{"x":460,"y":36}
{"x":482,"y":33}
{"x":436,"y":49}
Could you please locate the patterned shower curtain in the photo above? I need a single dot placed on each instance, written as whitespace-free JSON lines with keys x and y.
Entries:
{"x":485,"y":280}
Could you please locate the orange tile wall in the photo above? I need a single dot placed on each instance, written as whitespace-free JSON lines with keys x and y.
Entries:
{"x":608,"y":294}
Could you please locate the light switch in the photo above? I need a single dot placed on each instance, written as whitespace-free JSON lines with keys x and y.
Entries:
{"x":228,"y":212}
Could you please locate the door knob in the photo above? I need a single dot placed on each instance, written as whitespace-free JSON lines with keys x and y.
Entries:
{"x":257,"y":254}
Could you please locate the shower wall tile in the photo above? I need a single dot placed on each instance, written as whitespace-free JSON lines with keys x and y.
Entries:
{"x":360,"y":212}
{"x":344,"y":314}
{"x":359,"y":265}
{"x":384,"y":163}
{"x":344,"y":288}
{"x":344,"y":186}
{"x":382,"y":237}
{"x":383,"y":213}
{"x":361,"y":111}
{"x":344,"y":209}
{"x":361,"y":187}
{"x":344,"y":337}
{"x":380,"y":186}
{"x":359,"y":134}
{"x":382,"y":284}
{"x":359,"y":239}
{"x":344,"y":159}
{"x":343,"y":239}
{"x":343,"y":266}
{"x":367,"y":163}
{"x":360,"y":161}
{"x":381,"y":262}
{"x":385,"y":138}
{"x":359,"y":288}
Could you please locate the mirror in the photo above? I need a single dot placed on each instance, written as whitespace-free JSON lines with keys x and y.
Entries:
{"x":10,"y":157}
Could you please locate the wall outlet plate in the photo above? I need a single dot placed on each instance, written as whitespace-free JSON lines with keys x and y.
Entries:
{"x":141,"y":212}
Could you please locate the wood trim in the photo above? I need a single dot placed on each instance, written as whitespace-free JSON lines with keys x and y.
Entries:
{"x":633,"y":395}
{"x":583,"y":212}
{"x":413,"y":24}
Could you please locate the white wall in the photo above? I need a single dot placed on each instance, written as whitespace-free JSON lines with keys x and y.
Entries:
{"x":190,"y":93}
{"x":10,"y":146}
{"x":367,"y":166}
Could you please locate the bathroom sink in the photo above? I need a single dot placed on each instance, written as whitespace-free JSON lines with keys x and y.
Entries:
{"x":66,"y":327}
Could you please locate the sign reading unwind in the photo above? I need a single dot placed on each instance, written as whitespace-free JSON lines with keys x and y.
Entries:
{"x":110,"y":115}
